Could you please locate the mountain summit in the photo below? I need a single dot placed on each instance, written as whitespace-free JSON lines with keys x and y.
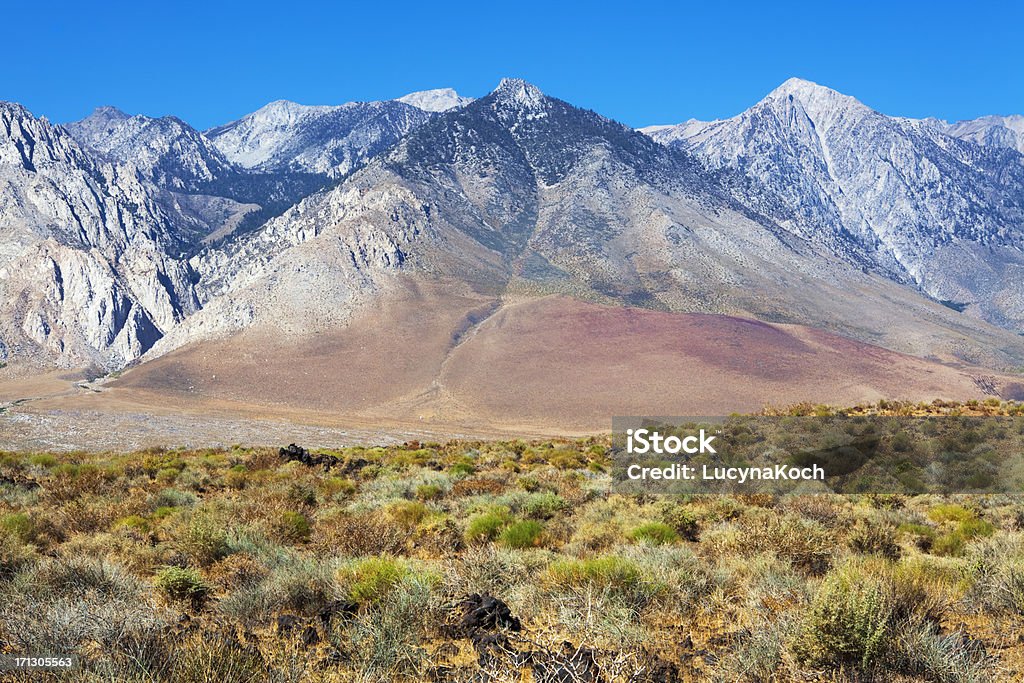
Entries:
{"x":441,"y":99}
{"x":903,"y":197}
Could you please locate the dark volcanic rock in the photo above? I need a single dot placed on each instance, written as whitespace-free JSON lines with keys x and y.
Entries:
{"x":295,"y":453}
{"x":486,"y":612}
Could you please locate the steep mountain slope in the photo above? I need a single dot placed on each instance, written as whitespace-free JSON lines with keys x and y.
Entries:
{"x":896,"y":196}
{"x":207,"y":197}
{"x":520,"y":193}
{"x":85,"y":275}
{"x":328,"y":140}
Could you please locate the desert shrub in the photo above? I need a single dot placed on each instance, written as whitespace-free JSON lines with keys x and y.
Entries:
{"x":491,"y":569}
{"x":462,"y":468}
{"x":203,"y":657}
{"x":950,"y":512}
{"x":1005,"y":588}
{"x":364,"y":533}
{"x":874,"y":539}
{"x":824,"y":509}
{"x":408,"y":513}
{"x":373,"y":578}
{"x":997,"y":565}
{"x":386,"y":639}
{"x":522,"y":534}
{"x":953,"y":543}
{"x":14,"y":555}
{"x":976,"y":528}
{"x":566,"y":459}
{"x":429,"y":492}
{"x":855,"y":615}
{"x":761,"y":654}
{"x":806,"y":544}
{"x":923,"y":536}
{"x":920,"y":649}
{"x":850,"y":621}
{"x":478,"y":486}
{"x":136,"y":523}
{"x":173,"y":498}
{"x":204,"y":539}
{"x":76,"y":576}
{"x":293,"y":526}
{"x":682,"y":520}
{"x":543,"y":505}
{"x":183,"y":584}
{"x":487,"y":525}
{"x":949,"y":544}
{"x":337,"y":488}
{"x":291,"y":584}
{"x":236,"y":477}
{"x":238,"y":570}
{"x":18,"y":526}
{"x":656,"y":533}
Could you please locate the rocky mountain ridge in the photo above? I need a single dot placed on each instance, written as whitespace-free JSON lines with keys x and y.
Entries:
{"x":145,"y":235}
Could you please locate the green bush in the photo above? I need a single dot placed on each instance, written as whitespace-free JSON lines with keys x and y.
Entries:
{"x":43,"y":460}
{"x":683,"y":521}
{"x":428,"y":492}
{"x":134,"y":522}
{"x":850,"y":621}
{"x":19,"y":526}
{"x":949,"y":544}
{"x":13,"y":556}
{"x":950,"y":512}
{"x":294,"y":526}
{"x":408,"y":513}
{"x":543,"y":505}
{"x":463,"y":467}
{"x":173,"y":498}
{"x":179,"y":583}
{"x":655,"y":533}
{"x":375,"y":577}
{"x":524,"y":534}
{"x":976,"y":528}
{"x":486,"y":526}
{"x":204,"y":540}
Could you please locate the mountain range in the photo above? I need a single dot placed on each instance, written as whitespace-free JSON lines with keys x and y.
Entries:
{"x":417,"y":245}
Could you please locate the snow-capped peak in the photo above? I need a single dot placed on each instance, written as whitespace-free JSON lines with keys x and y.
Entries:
{"x":519,"y":92}
{"x":441,"y":99}
{"x":824,"y":106}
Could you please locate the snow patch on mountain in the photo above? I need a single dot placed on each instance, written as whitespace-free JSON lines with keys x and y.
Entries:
{"x":441,"y":99}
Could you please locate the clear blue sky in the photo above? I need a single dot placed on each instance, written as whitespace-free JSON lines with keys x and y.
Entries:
{"x":210,"y":62}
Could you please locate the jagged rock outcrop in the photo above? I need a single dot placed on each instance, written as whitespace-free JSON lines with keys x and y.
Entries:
{"x":86,"y":274}
{"x":167,"y":151}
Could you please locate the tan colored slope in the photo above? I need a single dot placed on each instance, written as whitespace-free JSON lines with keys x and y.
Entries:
{"x":445,"y":357}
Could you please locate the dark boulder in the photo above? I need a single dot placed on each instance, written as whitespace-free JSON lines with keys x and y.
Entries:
{"x":486,"y":613}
